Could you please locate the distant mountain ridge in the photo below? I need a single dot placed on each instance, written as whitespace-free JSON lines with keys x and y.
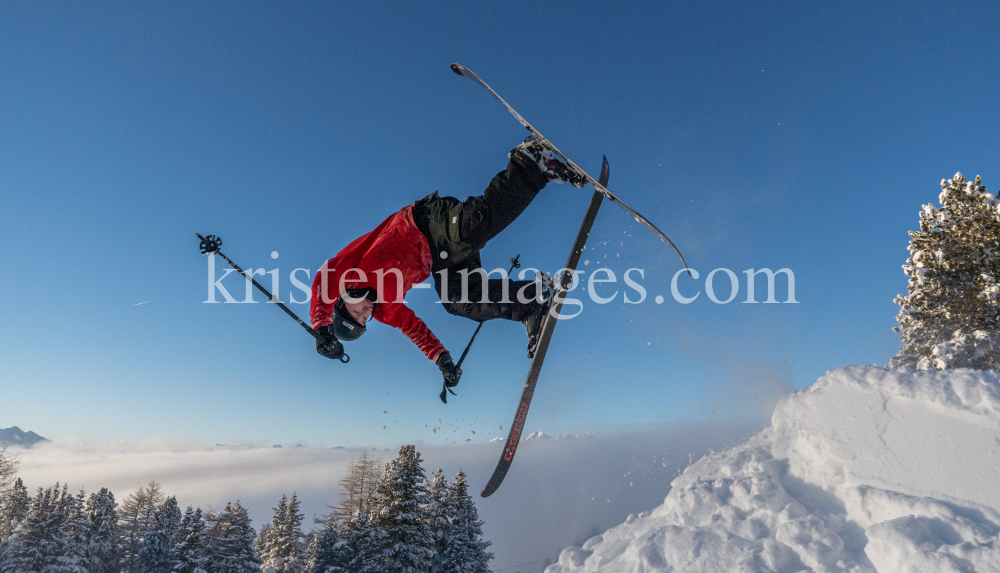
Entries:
{"x":539,"y":436}
{"x":15,"y":436}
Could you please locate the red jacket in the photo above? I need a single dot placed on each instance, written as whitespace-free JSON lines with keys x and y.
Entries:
{"x":396,"y":244}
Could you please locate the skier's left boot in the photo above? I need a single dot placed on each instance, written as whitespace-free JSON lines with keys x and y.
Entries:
{"x":553,"y":169}
{"x":534,"y":322}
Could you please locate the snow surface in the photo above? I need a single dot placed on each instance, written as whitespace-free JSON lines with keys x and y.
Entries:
{"x":869,"y":469}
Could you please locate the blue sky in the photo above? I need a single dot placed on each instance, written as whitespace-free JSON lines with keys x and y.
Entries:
{"x":754,"y":134}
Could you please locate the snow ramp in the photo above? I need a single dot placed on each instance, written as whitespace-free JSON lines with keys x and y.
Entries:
{"x":867,"y":470}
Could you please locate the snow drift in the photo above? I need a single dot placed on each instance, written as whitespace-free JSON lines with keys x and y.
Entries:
{"x":867,"y":470}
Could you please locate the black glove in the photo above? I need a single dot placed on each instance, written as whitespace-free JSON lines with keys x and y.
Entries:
{"x":328,"y":345}
{"x":451,"y":374}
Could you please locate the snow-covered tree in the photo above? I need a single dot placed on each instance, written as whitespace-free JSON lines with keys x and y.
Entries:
{"x":192,"y":551}
{"x":399,"y":510}
{"x":76,"y":533}
{"x":13,"y":509}
{"x":32,"y":542}
{"x":103,"y":547}
{"x":135,"y":515}
{"x":950,"y":317}
{"x":49,"y":537}
{"x":437,"y":512}
{"x":231,"y":538}
{"x":329,"y":551}
{"x":281,"y":542}
{"x":158,"y":553}
{"x":264,"y":542}
{"x":365,"y":545}
{"x":465,"y":550}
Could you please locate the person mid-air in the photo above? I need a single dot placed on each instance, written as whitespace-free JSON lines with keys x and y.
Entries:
{"x":441,"y":236}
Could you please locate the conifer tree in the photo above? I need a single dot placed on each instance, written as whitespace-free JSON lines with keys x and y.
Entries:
{"x":365,"y":546}
{"x":76,"y":532}
{"x":280,"y":543}
{"x":950,"y":317}
{"x":399,"y":510}
{"x":357,"y":487}
{"x":267,"y":540}
{"x":437,"y":512}
{"x":212,"y":546}
{"x":231,"y":546}
{"x":465,"y":551}
{"x":134,"y":517}
{"x":48,"y":538}
{"x":295,"y":540}
{"x":329,"y":551}
{"x":13,"y":495}
{"x":32,"y":542}
{"x":264,"y":542}
{"x":13,"y":509}
{"x":103,"y":547}
{"x":192,"y":552}
{"x":158,"y":553}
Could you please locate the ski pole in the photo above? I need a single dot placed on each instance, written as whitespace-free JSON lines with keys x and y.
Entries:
{"x":210,"y":246}
{"x":514,"y":264}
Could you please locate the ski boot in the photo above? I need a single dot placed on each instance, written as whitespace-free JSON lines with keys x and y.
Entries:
{"x":535,"y":321}
{"x":552,"y":168}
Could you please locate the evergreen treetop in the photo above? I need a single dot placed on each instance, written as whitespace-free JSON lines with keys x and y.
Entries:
{"x":399,"y":510}
{"x":230,"y":546}
{"x":103,"y":544}
{"x":191,"y":538}
{"x":950,"y":316}
{"x":465,"y":551}
{"x":13,"y":509}
{"x":158,"y":552}
{"x":50,"y":537}
{"x":281,"y":542}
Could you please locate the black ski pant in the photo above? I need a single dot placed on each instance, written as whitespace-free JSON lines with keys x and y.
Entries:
{"x":457,"y":230}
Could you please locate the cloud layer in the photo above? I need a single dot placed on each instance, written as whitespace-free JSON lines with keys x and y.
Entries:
{"x":558,"y":493}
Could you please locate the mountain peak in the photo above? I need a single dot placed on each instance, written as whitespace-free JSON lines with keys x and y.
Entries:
{"x":14,"y":436}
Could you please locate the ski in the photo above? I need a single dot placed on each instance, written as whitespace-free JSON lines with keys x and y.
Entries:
{"x":466,"y":72}
{"x":548,"y":326}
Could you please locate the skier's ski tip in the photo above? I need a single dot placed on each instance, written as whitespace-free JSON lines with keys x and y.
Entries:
{"x":510,"y":446}
{"x":466,"y":72}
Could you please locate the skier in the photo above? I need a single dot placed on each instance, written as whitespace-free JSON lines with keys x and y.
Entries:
{"x":440,"y":236}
